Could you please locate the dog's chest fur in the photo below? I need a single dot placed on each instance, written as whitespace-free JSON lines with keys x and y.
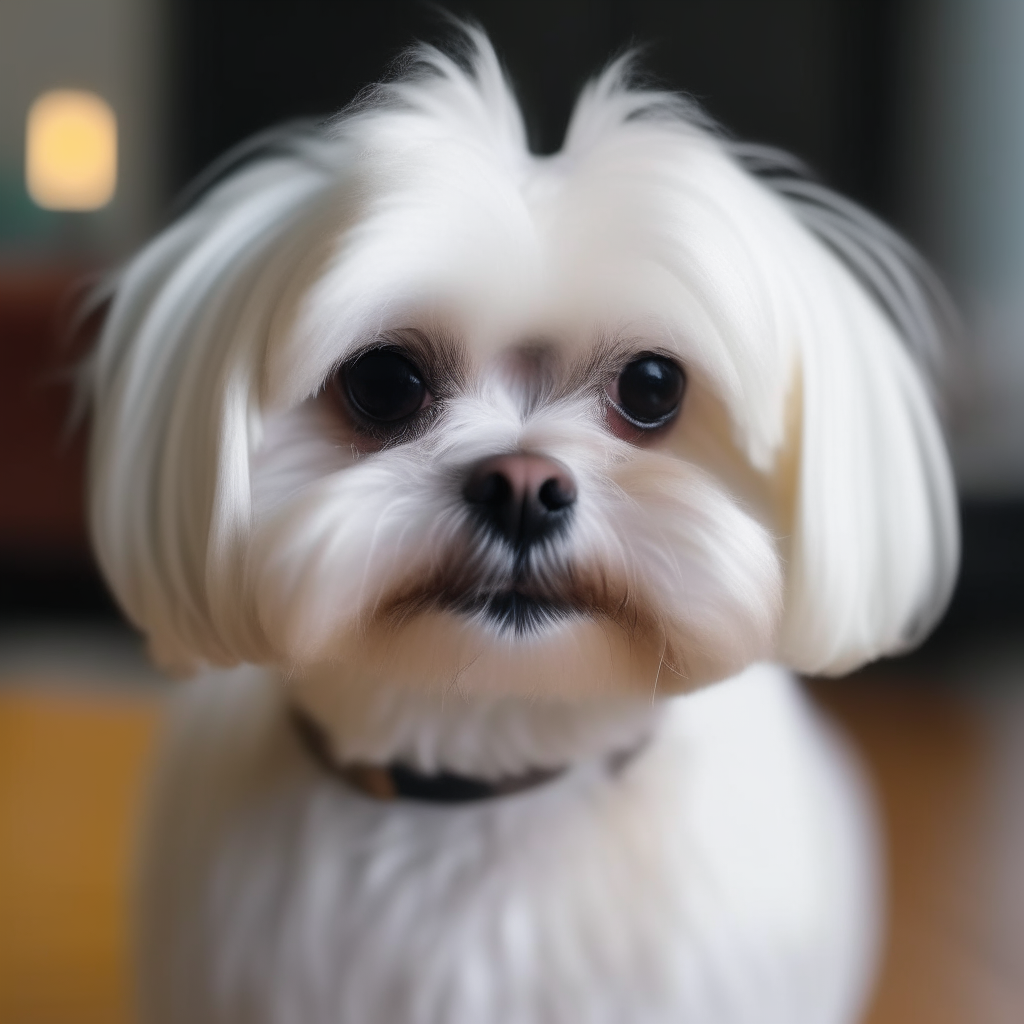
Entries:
{"x":731,"y":847}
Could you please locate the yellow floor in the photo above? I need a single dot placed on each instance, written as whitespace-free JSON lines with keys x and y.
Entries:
{"x":70,"y":770}
{"x":71,"y":762}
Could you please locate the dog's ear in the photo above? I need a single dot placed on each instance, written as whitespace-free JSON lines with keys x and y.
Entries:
{"x":175,"y":383}
{"x":872,"y":522}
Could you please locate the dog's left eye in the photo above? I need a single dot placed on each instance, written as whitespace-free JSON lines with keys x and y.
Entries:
{"x":649,"y":391}
{"x":384,"y":386}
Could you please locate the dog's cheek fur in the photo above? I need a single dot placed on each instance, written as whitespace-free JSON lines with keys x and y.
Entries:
{"x":704,"y":566}
{"x":676,"y":585}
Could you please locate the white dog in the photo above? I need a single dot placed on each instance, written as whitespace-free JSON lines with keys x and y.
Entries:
{"x":480,"y":464}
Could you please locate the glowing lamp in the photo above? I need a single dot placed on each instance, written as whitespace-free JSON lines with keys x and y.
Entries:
{"x":71,"y":151}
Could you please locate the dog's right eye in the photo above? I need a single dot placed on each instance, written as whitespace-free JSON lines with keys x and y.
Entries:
{"x":384,"y":386}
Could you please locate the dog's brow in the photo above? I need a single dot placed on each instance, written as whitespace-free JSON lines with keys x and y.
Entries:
{"x":592,"y":370}
{"x":532,"y":369}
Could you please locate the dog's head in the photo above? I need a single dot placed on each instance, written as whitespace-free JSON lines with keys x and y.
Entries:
{"x":402,"y":397}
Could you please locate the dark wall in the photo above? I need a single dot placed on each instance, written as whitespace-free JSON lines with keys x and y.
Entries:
{"x":822,"y":78}
{"x":814,"y":76}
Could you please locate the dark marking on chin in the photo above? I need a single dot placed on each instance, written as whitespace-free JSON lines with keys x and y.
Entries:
{"x":515,"y":613}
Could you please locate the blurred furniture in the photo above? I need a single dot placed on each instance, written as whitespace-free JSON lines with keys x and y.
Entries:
{"x":45,"y":565}
{"x":40,"y":458}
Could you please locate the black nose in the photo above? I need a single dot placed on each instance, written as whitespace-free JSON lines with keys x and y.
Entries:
{"x":523,"y":498}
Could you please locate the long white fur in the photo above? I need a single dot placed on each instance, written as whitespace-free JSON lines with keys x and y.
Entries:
{"x":434,"y":184}
{"x":800,"y":510}
{"x":725,"y":876}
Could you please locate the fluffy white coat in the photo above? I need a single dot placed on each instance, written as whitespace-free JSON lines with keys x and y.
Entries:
{"x":799,"y":509}
{"x":725,"y":875}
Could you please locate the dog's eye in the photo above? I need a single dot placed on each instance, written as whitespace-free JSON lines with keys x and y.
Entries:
{"x":649,"y":391}
{"x":384,"y":386}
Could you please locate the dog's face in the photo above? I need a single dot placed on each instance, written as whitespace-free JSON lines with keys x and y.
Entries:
{"x":523,"y":476}
{"x":545,"y":512}
{"x":442,"y":414}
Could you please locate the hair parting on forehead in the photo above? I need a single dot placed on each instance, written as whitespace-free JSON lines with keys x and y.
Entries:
{"x":851,"y":325}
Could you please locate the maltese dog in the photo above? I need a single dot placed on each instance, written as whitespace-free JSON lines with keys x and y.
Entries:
{"x":493,"y":498}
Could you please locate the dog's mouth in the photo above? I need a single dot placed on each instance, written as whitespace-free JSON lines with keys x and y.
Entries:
{"x":514,"y":611}
{"x":519,"y":603}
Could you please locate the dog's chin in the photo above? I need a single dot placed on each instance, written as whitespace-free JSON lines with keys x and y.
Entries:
{"x":501,"y":644}
{"x":509,"y":643}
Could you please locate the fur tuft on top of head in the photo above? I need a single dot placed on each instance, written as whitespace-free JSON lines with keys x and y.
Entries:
{"x":235,"y":520}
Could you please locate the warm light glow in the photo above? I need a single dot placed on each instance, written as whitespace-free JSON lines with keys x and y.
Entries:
{"x":71,"y":151}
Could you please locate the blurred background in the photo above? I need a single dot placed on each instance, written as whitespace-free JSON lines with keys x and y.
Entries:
{"x":109,"y":107}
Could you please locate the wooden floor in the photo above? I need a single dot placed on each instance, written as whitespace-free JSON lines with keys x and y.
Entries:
{"x":70,"y":771}
{"x":948,"y":767}
{"x":948,"y":771}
